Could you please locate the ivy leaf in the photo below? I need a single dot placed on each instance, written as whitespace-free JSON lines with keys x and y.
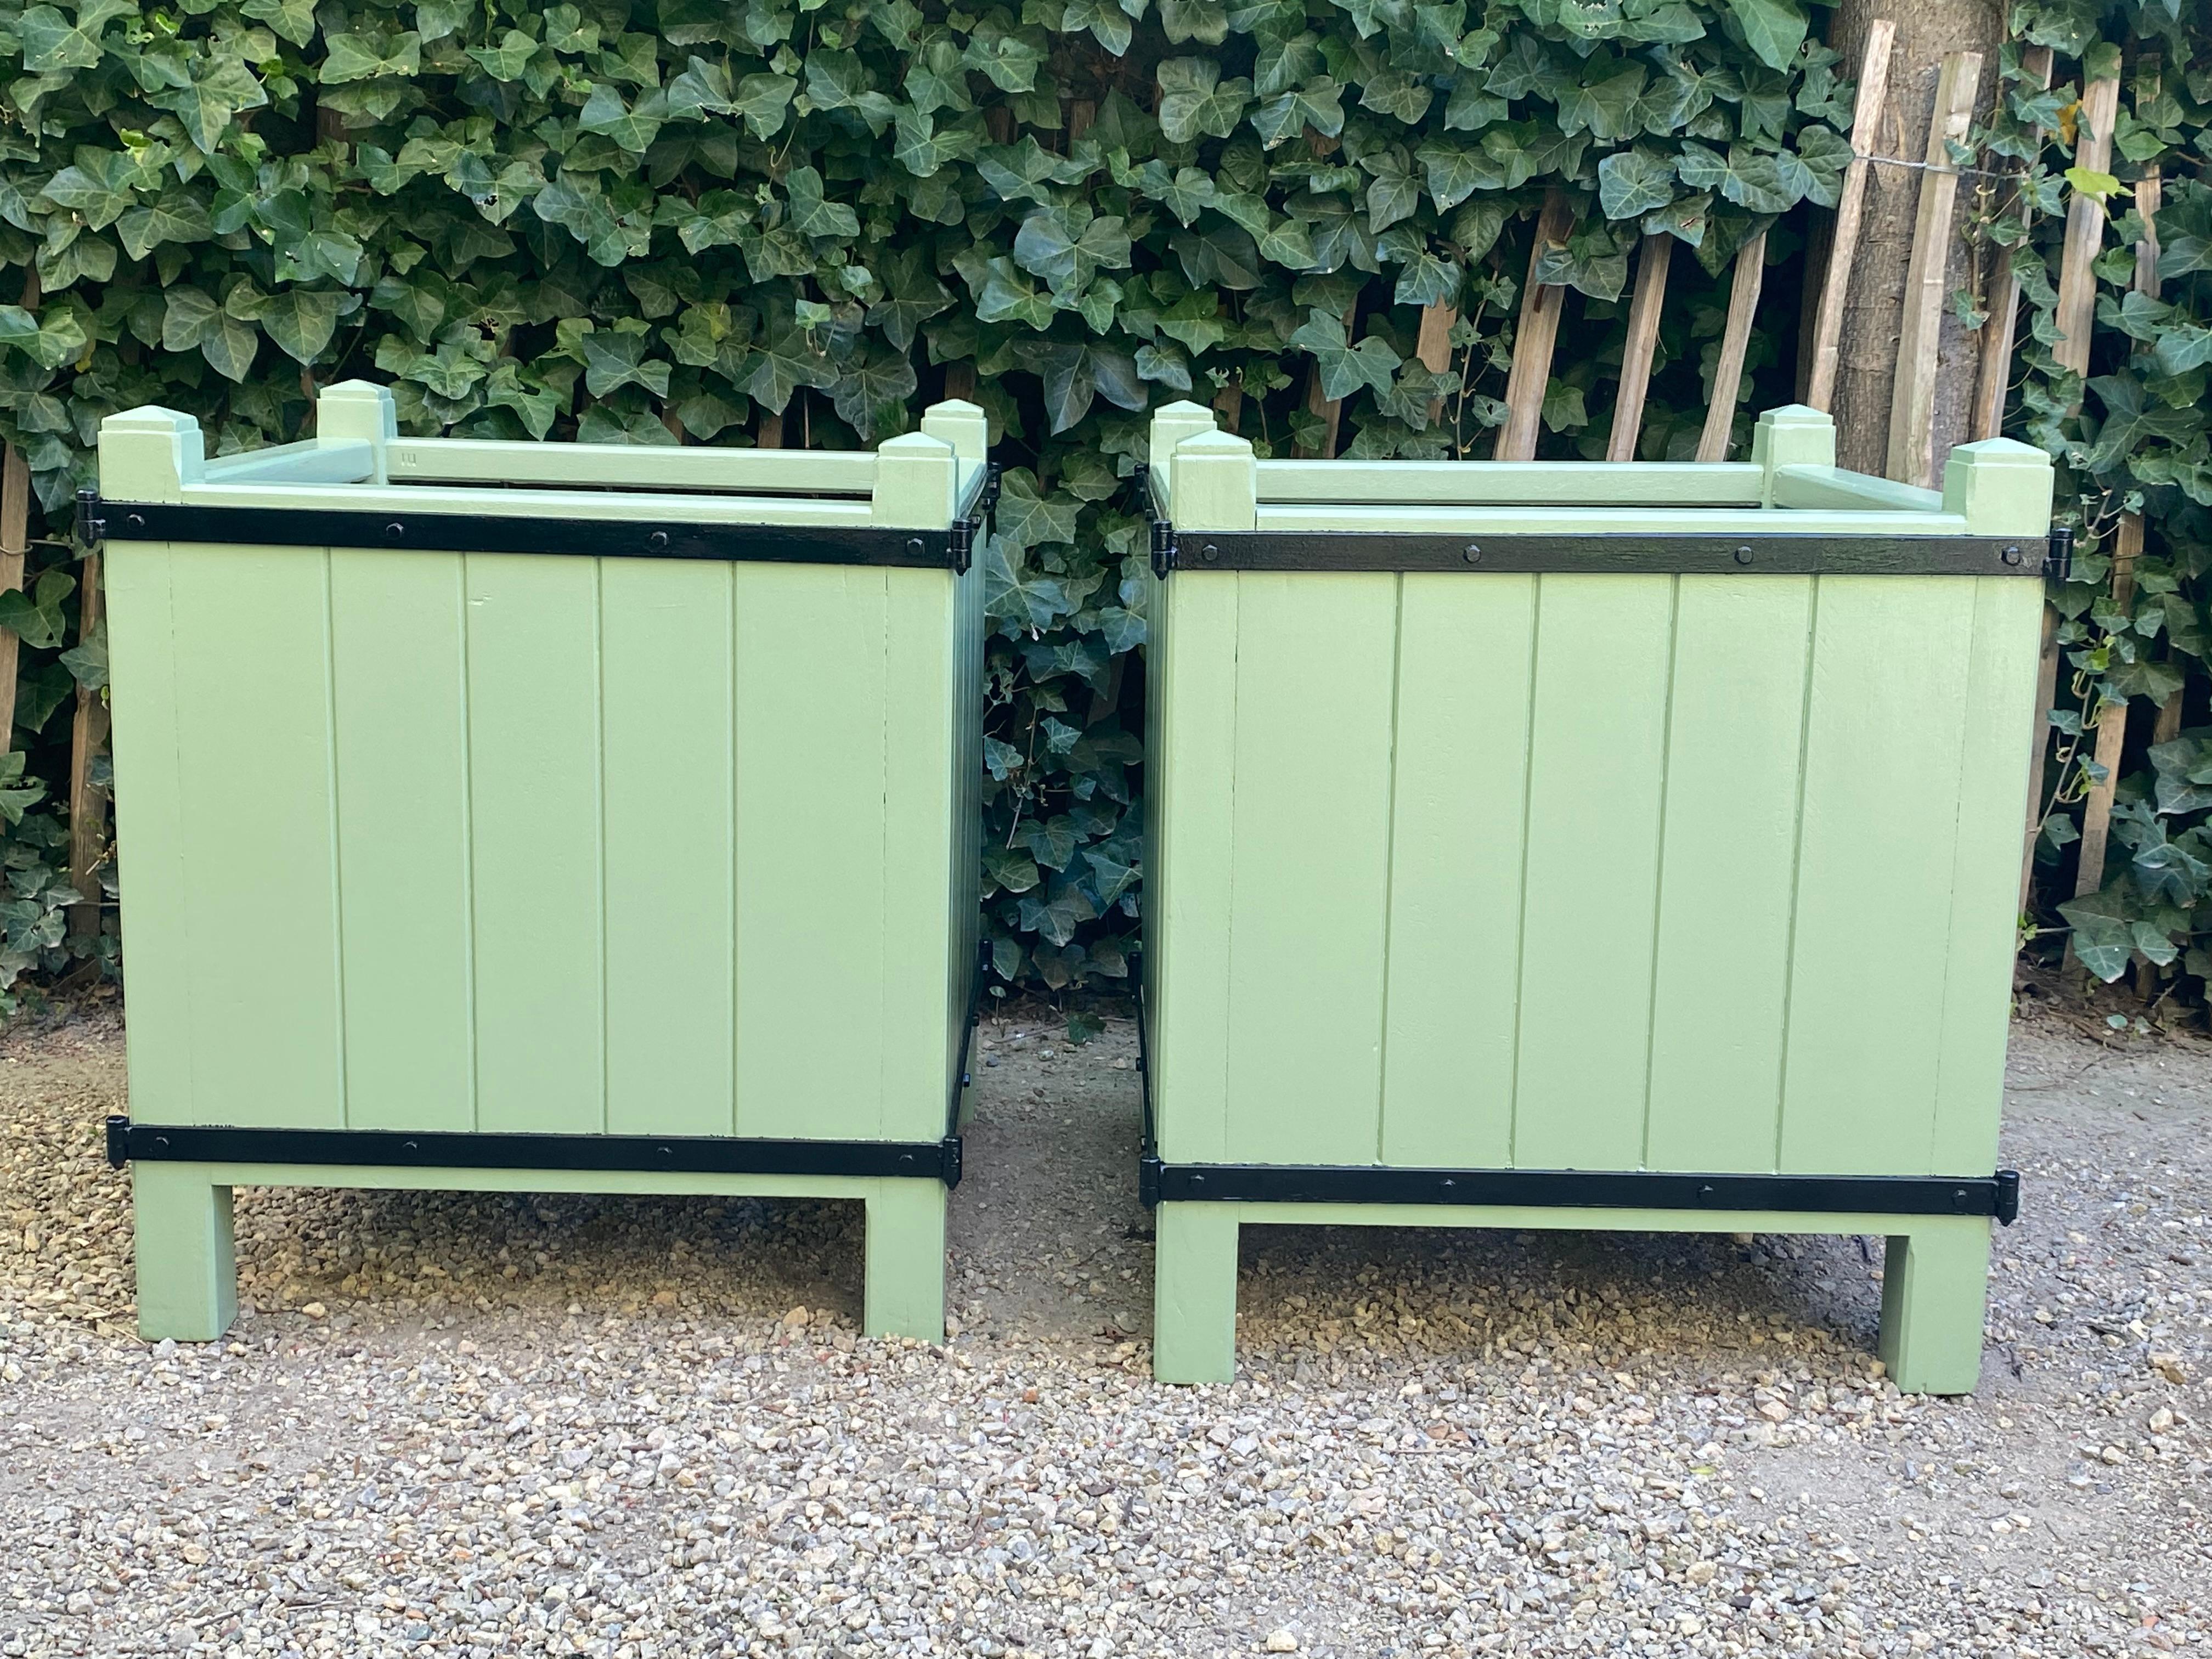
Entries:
{"x":872,"y":391}
{"x":1742,"y":176}
{"x":1009,"y":58}
{"x":50,"y":42}
{"x":1455,"y":173}
{"x":1017,"y":597}
{"x":1345,"y":367}
{"x":1067,"y":245}
{"x":782,"y":365}
{"x":633,"y":126}
{"x":1773,"y":29}
{"x":1316,"y":107}
{"x":1028,"y":517}
{"x":506,"y":60}
{"x":1109,"y":24}
{"x":1605,"y":108}
{"x":1634,"y":182}
{"x":810,"y":215}
{"x":364,"y":57}
{"x":1395,"y":193}
{"x":616,"y":358}
{"x":1195,"y":103}
{"x":98,"y":186}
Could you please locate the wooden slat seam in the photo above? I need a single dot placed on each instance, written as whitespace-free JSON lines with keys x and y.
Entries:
{"x":1659,"y":855}
{"x":1796,"y":869}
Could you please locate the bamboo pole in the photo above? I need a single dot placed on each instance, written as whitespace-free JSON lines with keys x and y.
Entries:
{"x":1850,"y":210}
{"x":1735,"y":342}
{"x":1643,"y":343}
{"x":1987,"y":420}
{"x":1534,"y":338}
{"x":1912,"y":458}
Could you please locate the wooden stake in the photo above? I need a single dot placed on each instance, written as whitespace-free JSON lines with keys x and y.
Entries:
{"x":2001,"y":331}
{"x":14,"y":545}
{"x":770,"y":433}
{"x":87,"y":803}
{"x":1736,"y":341}
{"x":2111,"y":726}
{"x":1850,"y":208}
{"x":1651,"y":262}
{"x":960,"y":380}
{"x":2127,"y":547}
{"x":1229,"y":405}
{"x":1534,"y":338}
{"x":1432,"y":346}
{"x":2085,"y":227}
{"x":1911,"y":457}
{"x":1330,"y":410}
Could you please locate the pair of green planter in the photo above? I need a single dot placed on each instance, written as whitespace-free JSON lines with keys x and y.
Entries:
{"x":1530,"y":845}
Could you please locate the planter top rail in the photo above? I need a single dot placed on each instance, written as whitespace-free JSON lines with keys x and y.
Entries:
{"x":1788,"y":511}
{"x":919,"y":499}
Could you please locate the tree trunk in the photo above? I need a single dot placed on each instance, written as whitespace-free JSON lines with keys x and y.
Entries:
{"x":1874,"y":313}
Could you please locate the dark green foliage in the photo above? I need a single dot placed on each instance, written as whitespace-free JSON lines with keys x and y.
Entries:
{"x":2132,"y":436}
{"x":690,"y":221}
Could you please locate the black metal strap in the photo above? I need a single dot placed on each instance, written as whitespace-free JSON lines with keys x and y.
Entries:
{"x":1766,"y":553}
{"x":449,"y":1149}
{"x":950,"y":549}
{"x":1995,"y":1195}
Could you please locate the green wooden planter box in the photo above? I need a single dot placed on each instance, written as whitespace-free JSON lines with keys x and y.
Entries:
{"x":543,"y":817}
{"x":1586,"y":846}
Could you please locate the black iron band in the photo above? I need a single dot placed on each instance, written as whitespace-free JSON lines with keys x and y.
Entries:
{"x":449,"y":1149}
{"x":1772,"y":554}
{"x":950,"y":549}
{"x":1994,"y":1195}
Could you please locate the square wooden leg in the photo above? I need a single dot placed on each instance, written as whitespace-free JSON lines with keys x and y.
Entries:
{"x":1934,"y":1293}
{"x":1195,"y":1293}
{"x":905,"y":1256}
{"x":187,"y":1262}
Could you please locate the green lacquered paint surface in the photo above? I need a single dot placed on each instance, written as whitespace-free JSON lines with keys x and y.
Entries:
{"x":1585,"y":871}
{"x":497,"y":842}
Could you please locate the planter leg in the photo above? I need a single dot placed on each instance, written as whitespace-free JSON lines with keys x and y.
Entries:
{"x":187,"y":1267}
{"x":905,"y":1260}
{"x":1934,"y":1289}
{"x":1195,"y":1293}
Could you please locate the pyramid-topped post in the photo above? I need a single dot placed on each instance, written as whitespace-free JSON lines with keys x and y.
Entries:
{"x":359,"y":411}
{"x":1796,"y":435}
{"x":1214,"y":484}
{"x":2000,"y":486}
{"x":917,"y":481}
{"x":149,"y":454}
{"x":1172,"y":424}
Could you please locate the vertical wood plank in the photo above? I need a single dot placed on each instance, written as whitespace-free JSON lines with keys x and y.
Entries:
{"x":398,"y":661}
{"x":258,"y":845}
{"x":811,"y":696}
{"x":2112,"y":724}
{"x":1596,"y":771}
{"x":1535,"y":337}
{"x":1993,"y":776}
{"x":1432,"y":347}
{"x":14,"y":544}
{"x":1456,"y":819}
{"x":1190,"y":790}
{"x":1729,"y":862}
{"x":1885,"y":718}
{"x":1749,"y":277}
{"x":535,"y":784}
{"x":920,"y":833}
{"x":670,"y":847}
{"x":1315,"y":663}
{"x":1911,"y":457}
{"x":157,"y":948}
{"x":1851,"y":211}
{"x":1652,"y":259}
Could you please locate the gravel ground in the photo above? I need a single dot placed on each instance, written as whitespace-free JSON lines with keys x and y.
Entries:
{"x":456,"y":1425}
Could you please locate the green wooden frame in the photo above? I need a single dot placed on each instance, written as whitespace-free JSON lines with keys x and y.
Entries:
{"x":1497,"y":871}
{"x":503,"y":844}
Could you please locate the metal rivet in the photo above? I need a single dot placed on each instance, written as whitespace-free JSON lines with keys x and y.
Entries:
{"x":2012,"y":555}
{"x":394,"y":530}
{"x":1473,"y":553}
{"x":1197,"y":1183}
{"x":1446,"y":1184}
{"x":162,"y":1141}
{"x":1706,"y":1195}
{"x":136,"y":520}
{"x":409,"y":1146}
{"x":1210,"y":551}
{"x":1743,"y":555}
{"x":666,"y":1151}
{"x":914,"y":546}
{"x":657,"y":541}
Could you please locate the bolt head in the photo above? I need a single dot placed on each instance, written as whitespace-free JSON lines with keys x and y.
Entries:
{"x":1471,"y":553}
{"x":1210,"y":551}
{"x":1743,"y":555}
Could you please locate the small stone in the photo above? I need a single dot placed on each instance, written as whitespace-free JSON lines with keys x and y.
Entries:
{"x":2169,"y":1366}
{"x":797,"y":1318}
{"x":1285,"y":1640}
{"x":1701,"y":1572}
{"x":315,"y":1310}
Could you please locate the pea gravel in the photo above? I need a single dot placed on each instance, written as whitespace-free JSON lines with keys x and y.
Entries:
{"x":457,"y":1424}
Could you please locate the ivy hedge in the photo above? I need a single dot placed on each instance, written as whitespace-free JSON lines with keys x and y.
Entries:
{"x":2133,"y":435}
{"x":735,"y":222}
